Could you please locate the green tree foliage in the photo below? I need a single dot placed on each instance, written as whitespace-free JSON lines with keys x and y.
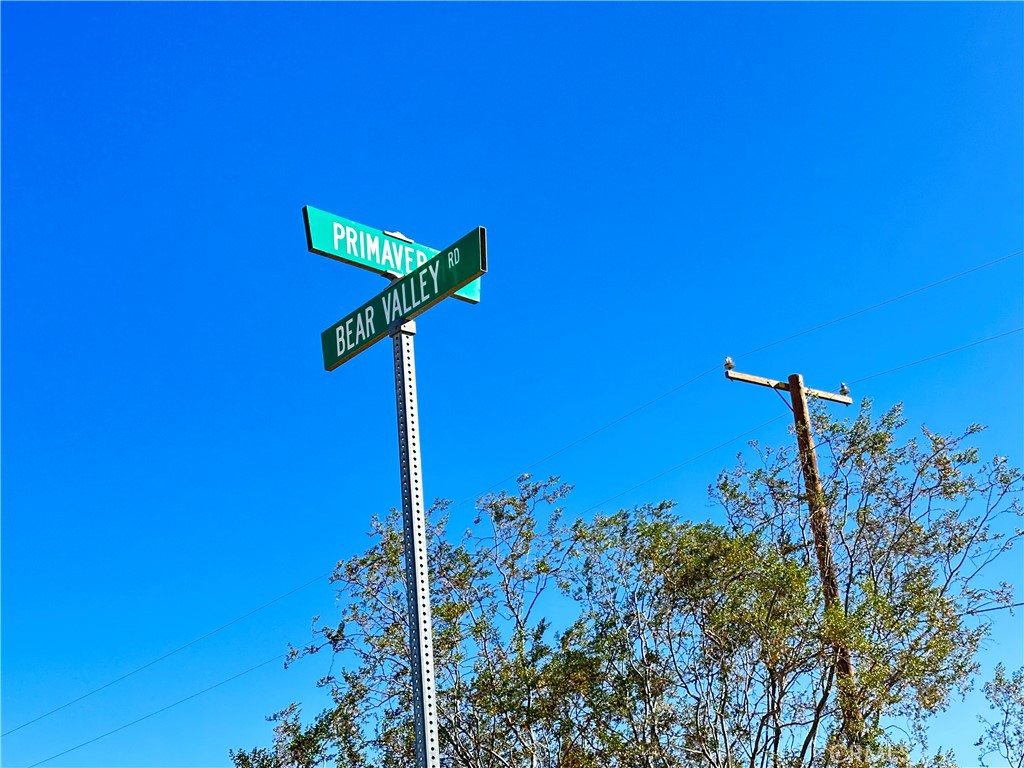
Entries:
{"x":1005,"y":736}
{"x":640,"y":639}
{"x":914,"y":528}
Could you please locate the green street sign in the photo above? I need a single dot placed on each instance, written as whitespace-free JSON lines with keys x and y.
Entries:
{"x":348,"y":241}
{"x":441,"y":276}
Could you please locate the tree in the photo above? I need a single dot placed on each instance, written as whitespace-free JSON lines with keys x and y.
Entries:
{"x":640,"y":639}
{"x":915,"y":527}
{"x":1005,"y":737}
{"x":491,"y":648}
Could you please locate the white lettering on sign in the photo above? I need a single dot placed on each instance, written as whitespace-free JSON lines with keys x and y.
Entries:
{"x":434,"y":269}
{"x":393,"y":255}
{"x":373,"y":248}
{"x":388,"y":256}
{"x":423,"y":283}
{"x":354,"y":331}
{"x":453,"y":257}
{"x":391,"y":306}
{"x":404,"y":298}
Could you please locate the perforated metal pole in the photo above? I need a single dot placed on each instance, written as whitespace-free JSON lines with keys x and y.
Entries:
{"x":424,"y":700}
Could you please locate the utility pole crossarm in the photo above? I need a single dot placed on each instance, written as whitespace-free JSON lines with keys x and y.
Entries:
{"x":784,"y":386}
{"x":761,"y":380}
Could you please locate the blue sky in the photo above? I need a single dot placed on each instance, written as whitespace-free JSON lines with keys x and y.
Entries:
{"x":662,"y":185}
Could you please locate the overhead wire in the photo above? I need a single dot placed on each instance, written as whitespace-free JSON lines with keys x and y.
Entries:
{"x":169,"y":653}
{"x":886,"y":302}
{"x":937,"y":356}
{"x":632,"y":488}
{"x":589,"y":435}
{"x":559,"y":451}
{"x":157,"y":712}
{"x":682,"y":464}
{"x":748,"y":353}
{"x":280,"y":656}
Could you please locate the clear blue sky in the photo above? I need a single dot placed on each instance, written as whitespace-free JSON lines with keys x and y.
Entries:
{"x":662,"y":184}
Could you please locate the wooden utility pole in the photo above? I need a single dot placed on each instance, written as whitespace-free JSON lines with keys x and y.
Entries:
{"x":819,"y":521}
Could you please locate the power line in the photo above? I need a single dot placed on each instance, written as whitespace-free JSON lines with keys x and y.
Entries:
{"x":754,"y":351}
{"x":157,"y":712}
{"x":580,"y":440}
{"x":940,"y":354}
{"x":682,"y":464}
{"x":279,"y":656}
{"x":586,"y":437}
{"x":642,"y":483}
{"x":169,"y":653}
{"x":886,"y":302}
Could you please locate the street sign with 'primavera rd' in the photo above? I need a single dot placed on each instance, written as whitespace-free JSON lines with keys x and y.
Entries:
{"x":423,"y":287}
{"x":344,"y":240}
